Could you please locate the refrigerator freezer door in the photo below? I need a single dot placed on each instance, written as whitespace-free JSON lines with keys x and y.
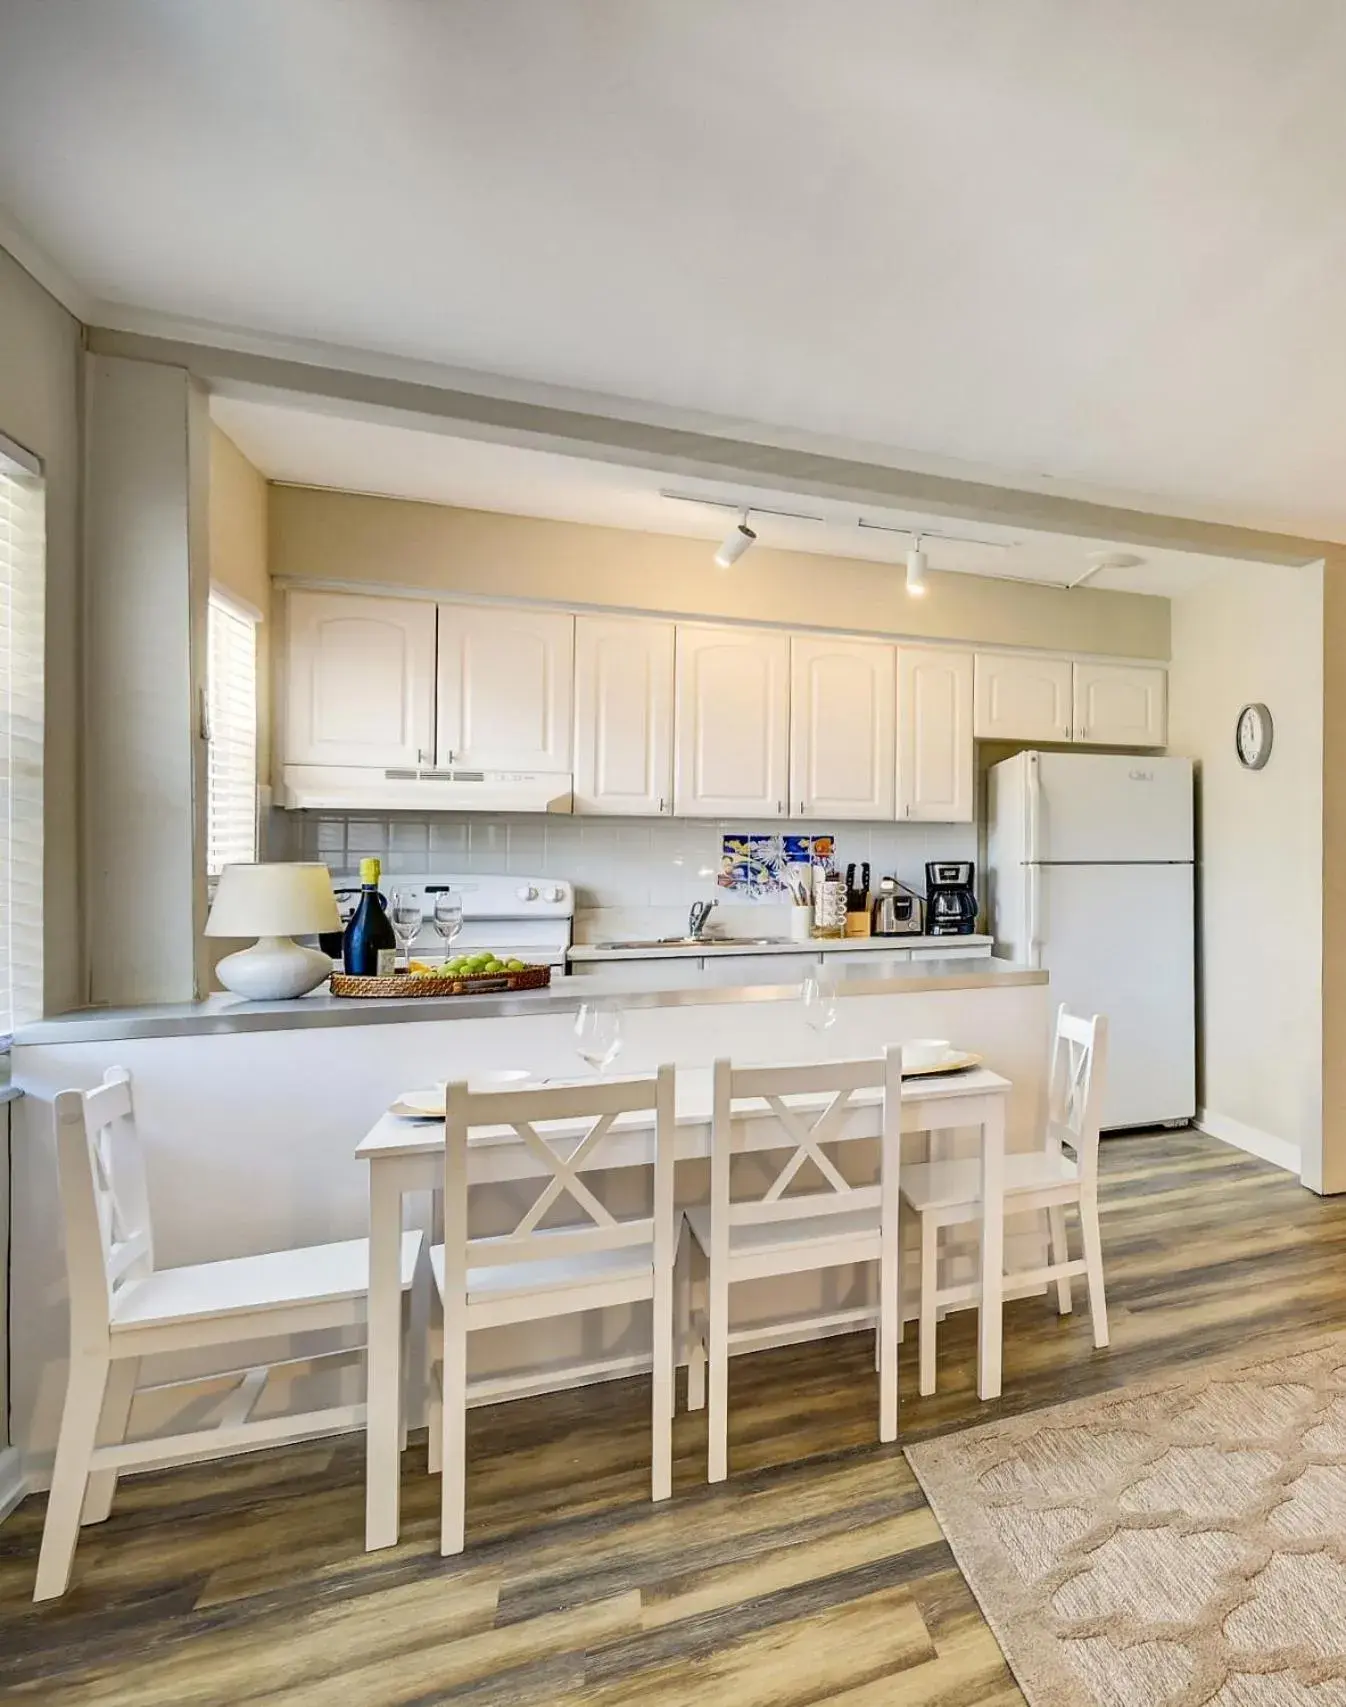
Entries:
{"x":1117,"y":940}
{"x":1108,"y":807}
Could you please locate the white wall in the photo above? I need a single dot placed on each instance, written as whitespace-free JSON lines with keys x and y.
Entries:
{"x":1257,"y":634}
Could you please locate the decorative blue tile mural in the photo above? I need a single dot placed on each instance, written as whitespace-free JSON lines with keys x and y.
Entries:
{"x":753,"y":867}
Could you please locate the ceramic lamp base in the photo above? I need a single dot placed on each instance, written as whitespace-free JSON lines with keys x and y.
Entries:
{"x":275,"y":969}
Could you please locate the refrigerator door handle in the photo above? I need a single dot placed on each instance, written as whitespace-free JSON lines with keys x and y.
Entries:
{"x":1032,"y":854}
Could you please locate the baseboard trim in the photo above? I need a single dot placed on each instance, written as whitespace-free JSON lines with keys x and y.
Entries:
{"x":1280,"y":1152}
{"x":13,"y":1482}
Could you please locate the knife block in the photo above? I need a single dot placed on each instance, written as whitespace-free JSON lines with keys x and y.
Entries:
{"x":857,"y":924}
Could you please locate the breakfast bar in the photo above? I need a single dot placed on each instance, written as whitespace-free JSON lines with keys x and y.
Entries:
{"x":252,"y":1112}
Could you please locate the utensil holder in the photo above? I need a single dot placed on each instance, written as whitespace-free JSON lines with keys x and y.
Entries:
{"x":829,"y":907}
{"x":801,"y":924}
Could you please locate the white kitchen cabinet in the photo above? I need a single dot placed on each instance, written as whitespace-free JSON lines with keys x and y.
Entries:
{"x":934,"y":735}
{"x":505,"y":687}
{"x":1020,"y":697}
{"x":359,"y":681}
{"x":838,"y":959}
{"x":842,"y":728}
{"x":1121,"y":705}
{"x":636,"y":974}
{"x":731,"y":723}
{"x":623,"y":716}
{"x":954,"y":950}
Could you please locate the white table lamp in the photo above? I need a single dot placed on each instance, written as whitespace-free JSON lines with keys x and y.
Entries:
{"x":273,"y":903}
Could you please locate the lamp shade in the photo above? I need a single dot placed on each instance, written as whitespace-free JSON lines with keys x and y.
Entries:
{"x":273,"y":900}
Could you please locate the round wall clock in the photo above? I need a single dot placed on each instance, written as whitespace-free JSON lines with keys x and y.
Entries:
{"x":1253,"y":735}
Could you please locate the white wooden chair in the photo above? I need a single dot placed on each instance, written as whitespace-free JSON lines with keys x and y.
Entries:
{"x":782,"y":1231}
{"x":601,"y":1259}
{"x":947,"y":1194}
{"x":122,"y":1309}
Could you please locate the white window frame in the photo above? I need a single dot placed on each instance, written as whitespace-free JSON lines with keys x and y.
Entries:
{"x":22,"y":734}
{"x":224,"y":764}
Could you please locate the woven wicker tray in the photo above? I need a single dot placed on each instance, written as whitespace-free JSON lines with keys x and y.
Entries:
{"x":402,"y":984}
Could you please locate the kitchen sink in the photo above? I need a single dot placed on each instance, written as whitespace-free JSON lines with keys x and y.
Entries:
{"x":700,"y":942}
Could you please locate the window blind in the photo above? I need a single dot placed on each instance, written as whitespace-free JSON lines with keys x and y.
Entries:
{"x":22,"y":623}
{"x":231,"y":689}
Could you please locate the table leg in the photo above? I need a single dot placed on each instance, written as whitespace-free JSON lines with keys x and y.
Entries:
{"x":383,"y":1423}
{"x":989,"y":1317}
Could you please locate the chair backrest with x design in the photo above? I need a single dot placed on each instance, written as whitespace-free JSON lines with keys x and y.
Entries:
{"x":104,"y":1202}
{"x":566,"y":1130}
{"x":1075,"y":1087}
{"x":776,"y":1109}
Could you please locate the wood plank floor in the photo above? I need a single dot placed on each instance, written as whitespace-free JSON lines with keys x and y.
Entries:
{"x":816,"y":1574}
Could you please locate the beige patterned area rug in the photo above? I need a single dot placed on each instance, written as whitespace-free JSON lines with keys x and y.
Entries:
{"x":1178,"y":1544}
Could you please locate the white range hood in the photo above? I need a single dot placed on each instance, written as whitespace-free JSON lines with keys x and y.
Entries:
{"x":351,"y":788}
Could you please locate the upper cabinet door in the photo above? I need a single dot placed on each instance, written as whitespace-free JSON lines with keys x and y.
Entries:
{"x":1121,"y":705}
{"x":842,"y":723}
{"x":1022,"y":698}
{"x":505,"y":688}
{"x":934,"y":735}
{"x":623,"y":716}
{"x":731,"y":723}
{"x":360,"y":681}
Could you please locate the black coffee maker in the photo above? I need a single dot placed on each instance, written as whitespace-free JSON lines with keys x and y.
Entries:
{"x":950,"y":905}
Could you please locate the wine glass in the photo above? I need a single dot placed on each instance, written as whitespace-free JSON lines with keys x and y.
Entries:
{"x":447,"y":917}
{"x":819,"y":996}
{"x":404,"y":914}
{"x":598,"y":1034}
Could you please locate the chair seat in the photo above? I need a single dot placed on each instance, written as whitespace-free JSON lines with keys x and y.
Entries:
{"x":950,"y":1185}
{"x":241,"y":1286}
{"x":761,"y":1239}
{"x":550,"y":1274}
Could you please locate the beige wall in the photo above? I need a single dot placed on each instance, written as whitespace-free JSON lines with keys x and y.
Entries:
{"x":1257,"y":634}
{"x":40,"y":409}
{"x":341,"y":536}
{"x":146,"y":548}
{"x":238,"y":559}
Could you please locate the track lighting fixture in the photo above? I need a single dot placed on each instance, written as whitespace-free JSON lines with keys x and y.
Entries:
{"x":736,"y":544}
{"x":917,"y":565}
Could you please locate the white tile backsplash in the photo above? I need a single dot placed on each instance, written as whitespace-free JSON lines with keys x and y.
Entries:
{"x":613,"y":862}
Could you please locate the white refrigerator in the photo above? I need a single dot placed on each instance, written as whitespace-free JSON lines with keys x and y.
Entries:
{"x":1090,"y":876}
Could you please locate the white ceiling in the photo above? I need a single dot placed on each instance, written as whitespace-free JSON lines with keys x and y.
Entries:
{"x":321,"y":449}
{"x":1101,"y":243}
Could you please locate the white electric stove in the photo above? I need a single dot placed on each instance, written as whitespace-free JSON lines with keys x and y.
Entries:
{"x":518,"y":918}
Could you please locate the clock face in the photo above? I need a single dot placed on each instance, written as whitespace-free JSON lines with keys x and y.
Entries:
{"x":1253,"y":736}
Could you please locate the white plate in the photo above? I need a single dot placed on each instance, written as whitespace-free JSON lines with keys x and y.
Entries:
{"x":429,"y":1104}
{"x":956,"y":1061}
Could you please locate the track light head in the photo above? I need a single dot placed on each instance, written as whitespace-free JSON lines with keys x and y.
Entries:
{"x":737,"y":543}
{"x":917,"y":564}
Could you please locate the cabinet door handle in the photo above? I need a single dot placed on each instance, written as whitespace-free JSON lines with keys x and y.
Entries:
{"x":780,"y":808}
{"x":663,"y":805}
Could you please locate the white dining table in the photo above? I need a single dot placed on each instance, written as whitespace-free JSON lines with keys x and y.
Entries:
{"x":407,"y":1155}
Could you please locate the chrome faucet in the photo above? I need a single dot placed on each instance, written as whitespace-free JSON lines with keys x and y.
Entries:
{"x":696,"y":919}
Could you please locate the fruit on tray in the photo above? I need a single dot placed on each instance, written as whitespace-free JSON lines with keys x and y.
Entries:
{"x":483,"y":964}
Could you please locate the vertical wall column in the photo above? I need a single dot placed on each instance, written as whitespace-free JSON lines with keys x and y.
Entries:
{"x":146,"y":590}
{"x":1331,"y":1163}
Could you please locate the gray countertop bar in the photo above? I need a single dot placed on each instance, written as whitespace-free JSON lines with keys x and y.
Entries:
{"x":218,"y":1015}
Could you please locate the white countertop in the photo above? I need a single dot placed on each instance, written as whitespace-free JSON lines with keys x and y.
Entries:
{"x":712,"y":948}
